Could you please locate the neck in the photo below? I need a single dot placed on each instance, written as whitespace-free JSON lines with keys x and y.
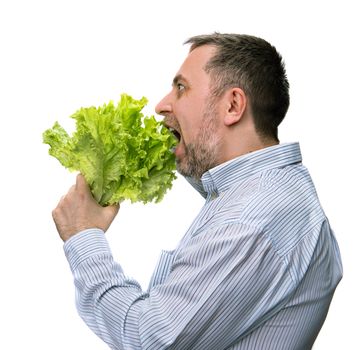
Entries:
{"x":243,"y":144}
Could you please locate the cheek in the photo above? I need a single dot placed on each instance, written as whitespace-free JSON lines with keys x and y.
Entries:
{"x":189,"y":130}
{"x":189,"y":116}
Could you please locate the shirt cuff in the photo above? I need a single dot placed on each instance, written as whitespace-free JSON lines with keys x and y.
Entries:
{"x":84,"y":245}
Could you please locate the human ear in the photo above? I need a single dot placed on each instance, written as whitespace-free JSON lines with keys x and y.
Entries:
{"x":236,"y":102}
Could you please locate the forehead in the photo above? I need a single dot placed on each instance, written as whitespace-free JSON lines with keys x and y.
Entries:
{"x":192,"y":68}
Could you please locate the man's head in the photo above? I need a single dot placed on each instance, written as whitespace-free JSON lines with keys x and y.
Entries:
{"x":253,"y":65}
{"x":227,"y":99}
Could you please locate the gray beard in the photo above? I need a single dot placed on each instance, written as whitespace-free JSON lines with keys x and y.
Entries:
{"x":198,"y":160}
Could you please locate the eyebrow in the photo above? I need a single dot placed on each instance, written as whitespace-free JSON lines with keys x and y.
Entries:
{"x":177,"y":78}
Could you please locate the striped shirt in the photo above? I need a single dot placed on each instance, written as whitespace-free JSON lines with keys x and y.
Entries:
{"x":257,"y":268}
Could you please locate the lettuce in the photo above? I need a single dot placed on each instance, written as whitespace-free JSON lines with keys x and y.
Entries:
{"x":121,"y":153}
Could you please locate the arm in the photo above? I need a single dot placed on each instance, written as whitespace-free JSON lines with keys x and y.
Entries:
{"x":219,"y":290}
{"x":224,"y":282}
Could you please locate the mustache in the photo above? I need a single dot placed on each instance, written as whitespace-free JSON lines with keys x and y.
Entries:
{"x":172,"y":122}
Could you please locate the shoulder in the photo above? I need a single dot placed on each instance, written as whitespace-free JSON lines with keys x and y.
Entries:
{"x":280,"y":203}
{"x":285,"y":206}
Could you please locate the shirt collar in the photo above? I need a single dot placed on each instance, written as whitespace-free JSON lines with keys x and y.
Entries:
{"x":221,"y":177}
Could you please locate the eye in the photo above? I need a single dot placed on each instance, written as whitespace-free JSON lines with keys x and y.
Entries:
{"x":180,"y":87}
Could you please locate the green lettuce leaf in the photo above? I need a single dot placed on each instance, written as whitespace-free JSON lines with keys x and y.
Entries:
{"x":121,"y":153}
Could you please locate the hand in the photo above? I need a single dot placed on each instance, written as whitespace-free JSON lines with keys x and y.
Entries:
{"x":78,"y":211}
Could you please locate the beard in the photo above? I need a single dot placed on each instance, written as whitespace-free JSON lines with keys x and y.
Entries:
{"x":202,"y":154}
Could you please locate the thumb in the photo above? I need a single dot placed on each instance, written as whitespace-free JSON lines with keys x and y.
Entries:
{"x":81,"y":184}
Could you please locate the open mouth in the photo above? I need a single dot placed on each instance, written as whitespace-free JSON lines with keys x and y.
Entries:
{"x":175,"y":133}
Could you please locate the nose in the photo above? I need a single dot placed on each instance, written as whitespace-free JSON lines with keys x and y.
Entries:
{"x":164,"y":107}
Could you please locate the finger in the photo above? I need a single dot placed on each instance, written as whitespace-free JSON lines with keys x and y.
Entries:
{"x":110,"y":212}
{"x":79,"y":180}
{"x":60,"y":202}
{"x":113,"y":209}
{"x":81,"y":184}
{"x":71,"y":189}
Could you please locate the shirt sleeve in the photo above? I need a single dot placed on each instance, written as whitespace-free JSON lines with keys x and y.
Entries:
{"x":224,"y":282}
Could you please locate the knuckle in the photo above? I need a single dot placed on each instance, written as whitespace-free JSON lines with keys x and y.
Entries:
{"x":54,"y":214}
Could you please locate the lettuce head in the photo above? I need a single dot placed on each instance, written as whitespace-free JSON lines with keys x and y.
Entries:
{"x":121,"y":153}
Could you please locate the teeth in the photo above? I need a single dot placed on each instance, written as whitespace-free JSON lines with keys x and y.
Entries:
{"x":176,"y":134}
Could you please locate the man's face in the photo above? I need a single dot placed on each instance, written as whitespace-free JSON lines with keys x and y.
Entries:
{"x":190,"y":111}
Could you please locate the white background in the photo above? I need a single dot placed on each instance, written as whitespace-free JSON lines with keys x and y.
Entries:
{"x":56,"y":56}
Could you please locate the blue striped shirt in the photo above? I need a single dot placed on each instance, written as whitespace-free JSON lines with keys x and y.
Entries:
{"x":257,"y":268}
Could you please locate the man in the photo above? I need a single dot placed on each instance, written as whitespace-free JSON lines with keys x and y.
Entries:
{"x":258,"y":267}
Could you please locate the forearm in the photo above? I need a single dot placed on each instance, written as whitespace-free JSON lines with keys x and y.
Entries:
{"x":104,"y":294}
